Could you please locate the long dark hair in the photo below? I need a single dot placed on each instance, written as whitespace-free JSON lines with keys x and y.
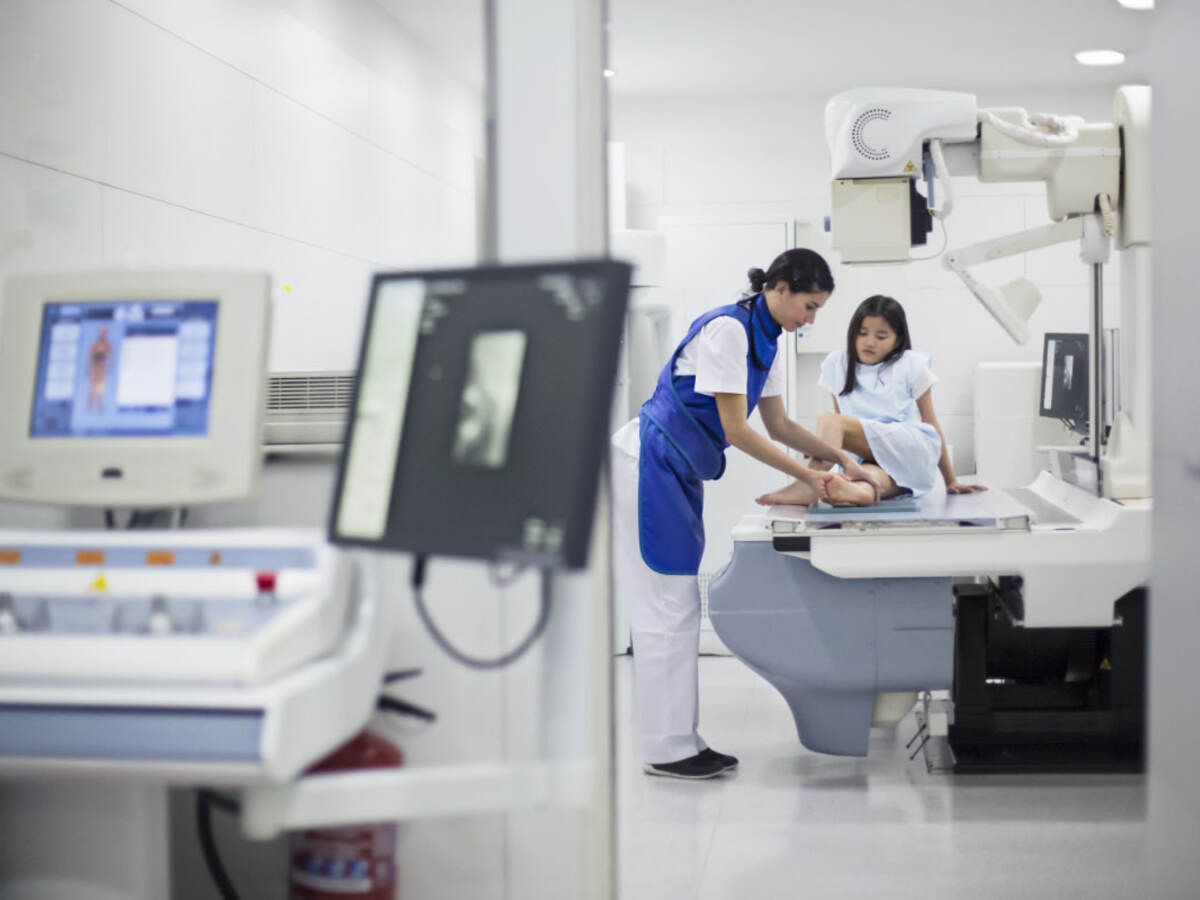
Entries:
{"x":805,"y":271}
{"x":892,"y":313}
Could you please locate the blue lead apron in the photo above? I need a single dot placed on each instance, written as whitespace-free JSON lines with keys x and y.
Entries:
{"x":683,"y":444}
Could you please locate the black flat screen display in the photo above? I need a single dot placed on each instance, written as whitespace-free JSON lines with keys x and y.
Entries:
{"x":481,"y":412}
{"x":1065,"y":377}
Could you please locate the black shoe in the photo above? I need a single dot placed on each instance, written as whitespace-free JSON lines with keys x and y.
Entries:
{"x":693,"y":768}
{"x":729,"y":762}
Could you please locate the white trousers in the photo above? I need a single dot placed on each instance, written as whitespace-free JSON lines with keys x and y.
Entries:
{"x":664,"y":617}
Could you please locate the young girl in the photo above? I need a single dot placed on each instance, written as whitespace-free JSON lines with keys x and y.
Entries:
{"x":883,"y":413}
{"x":726,"y":366}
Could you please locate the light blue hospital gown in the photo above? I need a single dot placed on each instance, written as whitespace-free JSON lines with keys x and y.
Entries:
{"x":884,"y":399}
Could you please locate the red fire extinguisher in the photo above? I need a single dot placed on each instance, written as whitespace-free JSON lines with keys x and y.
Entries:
{"x":357,"y":862}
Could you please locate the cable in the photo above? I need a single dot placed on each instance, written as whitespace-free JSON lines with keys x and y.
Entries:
{"x":221,"y":802}
{"x":401,"y":675}
{"x":205,"y":801}
{"x":942,"y":249}
{"x":418,"y":581}
{"x":943,"y":177}
{"x":1104,"y":202}
{"x":502,"y":579}
{"x":1038,"y":130}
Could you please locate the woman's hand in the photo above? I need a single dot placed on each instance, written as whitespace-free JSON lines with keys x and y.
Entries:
{"x":824,"y":478}
{"x":957,"y":487}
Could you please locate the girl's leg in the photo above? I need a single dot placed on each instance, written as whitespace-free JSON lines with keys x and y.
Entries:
{"x":798,"y":493}
{"x":841,"y":492}
{"x":830,"y":430}
{"x":846,"y":433}
{"x":843,"y":432}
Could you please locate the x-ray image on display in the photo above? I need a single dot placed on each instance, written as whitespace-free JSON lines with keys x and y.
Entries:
{"x":1065,"y":377}
{"x":489,"y":398}
{"x":480,"y":417}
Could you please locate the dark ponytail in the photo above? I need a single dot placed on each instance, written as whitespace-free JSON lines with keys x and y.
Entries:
{"x":804,"y":272}
{"x":891,"y":312}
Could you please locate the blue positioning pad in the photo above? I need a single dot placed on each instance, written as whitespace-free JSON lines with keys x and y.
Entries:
{"x":895,"y":505}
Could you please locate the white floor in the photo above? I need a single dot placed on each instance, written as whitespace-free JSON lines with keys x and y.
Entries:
{"x":792,"y":823}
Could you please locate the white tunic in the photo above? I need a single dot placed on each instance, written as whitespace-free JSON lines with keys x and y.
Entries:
{"x":717,"y":356}
{"x":884,"y":399}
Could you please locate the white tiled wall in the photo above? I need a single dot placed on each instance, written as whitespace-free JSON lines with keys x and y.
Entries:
{"x":734,"y":156}
{"x":314,"y":140}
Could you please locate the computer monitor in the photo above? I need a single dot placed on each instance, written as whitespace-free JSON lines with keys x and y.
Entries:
{"x":481,"y":412}
{"x":1065,"y":378}
{"x":132,"y":388}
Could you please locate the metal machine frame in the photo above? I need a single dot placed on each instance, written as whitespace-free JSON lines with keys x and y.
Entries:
{"x":1050,"y":630}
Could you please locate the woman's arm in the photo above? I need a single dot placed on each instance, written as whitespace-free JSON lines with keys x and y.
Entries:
{"x":925,"y":406}
{"x":732,"y":410}
{"x":796,"y":436}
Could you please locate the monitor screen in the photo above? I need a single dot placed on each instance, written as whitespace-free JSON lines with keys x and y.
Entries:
{"x":1065,"y":378}
{"x":481,"y":411}
{"x":124,"y":368}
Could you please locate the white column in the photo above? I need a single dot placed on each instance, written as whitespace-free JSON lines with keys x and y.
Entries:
{"x":1173,"y":815}
{"x":549,"y":129}
{"x":547,"y":168}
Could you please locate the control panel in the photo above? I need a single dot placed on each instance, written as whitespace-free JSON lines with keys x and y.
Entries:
{"x":220,"y":607}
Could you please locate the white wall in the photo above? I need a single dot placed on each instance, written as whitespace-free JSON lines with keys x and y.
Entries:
{"x":736,"y":157}
{"x":313,"y":139}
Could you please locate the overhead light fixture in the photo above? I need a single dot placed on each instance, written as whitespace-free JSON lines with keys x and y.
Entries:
{"x":609,"y":73}
{"x":1100,"y":57}
{"x":1137,"y":4}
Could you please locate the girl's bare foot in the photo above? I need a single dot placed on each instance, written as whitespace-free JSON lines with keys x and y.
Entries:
{"x":798,"y":493}
{"x":840,"y":492}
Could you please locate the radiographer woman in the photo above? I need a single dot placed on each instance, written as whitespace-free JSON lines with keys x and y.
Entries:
{"x":725,"y":367}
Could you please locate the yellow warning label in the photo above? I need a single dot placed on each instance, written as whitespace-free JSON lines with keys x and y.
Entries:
{"x":1106,"y":666}
{"x":100,"y":584}
{"x":911,"y":167}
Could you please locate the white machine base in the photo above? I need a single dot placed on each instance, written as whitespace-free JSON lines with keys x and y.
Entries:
{"x":85,"y":761}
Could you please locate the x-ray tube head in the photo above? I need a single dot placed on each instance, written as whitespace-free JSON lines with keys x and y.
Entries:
{"x":876,"y":138}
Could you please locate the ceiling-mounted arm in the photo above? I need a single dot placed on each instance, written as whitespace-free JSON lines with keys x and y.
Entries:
{"x":1011,"y":304}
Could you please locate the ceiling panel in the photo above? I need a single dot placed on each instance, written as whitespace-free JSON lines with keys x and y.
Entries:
{"x":705,"y":47}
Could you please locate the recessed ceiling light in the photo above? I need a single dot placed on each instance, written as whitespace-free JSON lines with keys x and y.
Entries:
{"x":1100,"y":57}
{"x":1137,"y":4}
{"x":609,"y":73}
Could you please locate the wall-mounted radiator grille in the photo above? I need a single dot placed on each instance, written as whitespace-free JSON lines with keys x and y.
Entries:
{"x":307,"y":408}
